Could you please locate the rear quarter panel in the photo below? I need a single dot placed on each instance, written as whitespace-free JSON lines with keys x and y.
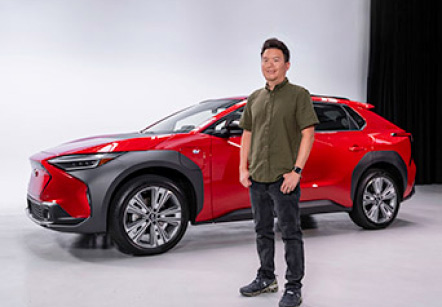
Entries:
{"x":381,"y":130}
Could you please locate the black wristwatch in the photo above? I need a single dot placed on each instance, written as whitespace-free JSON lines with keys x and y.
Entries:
{"x":297,"y":170}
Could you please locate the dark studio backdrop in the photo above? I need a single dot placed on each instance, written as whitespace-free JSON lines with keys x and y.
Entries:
{"x":404,"y":78}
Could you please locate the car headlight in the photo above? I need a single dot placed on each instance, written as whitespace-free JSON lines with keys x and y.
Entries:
{"x":80,"y":162}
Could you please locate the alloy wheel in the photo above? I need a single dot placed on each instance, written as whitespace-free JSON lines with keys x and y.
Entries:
{"x":379,"y":200}
{"x":152,"y":217}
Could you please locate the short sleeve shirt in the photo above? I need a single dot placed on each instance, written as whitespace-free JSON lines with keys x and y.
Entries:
{"x":276,"y":118}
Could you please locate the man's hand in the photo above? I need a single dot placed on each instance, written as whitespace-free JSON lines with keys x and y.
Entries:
{"x":244,"y":178}
{"x":290,"y":182}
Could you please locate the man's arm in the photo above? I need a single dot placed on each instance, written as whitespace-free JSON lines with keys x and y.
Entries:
{"x":243,"y":156}
{"x":308,"y":137}
{"x":291,"y":179}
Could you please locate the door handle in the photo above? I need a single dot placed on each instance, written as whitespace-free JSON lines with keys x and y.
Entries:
{"x":356,"y":148}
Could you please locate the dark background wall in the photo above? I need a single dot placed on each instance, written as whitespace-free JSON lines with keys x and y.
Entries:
{"x":404,"y":78}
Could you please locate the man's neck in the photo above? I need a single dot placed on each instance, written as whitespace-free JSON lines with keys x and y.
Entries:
{"x":273,"y":84}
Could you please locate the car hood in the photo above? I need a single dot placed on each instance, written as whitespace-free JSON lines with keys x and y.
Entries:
{"x":108,"y":143}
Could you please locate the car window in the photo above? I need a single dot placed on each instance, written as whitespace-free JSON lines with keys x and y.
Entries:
{"x":192,"y":121}
{"x":359,"y":121}
{"x":331,"y":118}
{"x":190,"y":118}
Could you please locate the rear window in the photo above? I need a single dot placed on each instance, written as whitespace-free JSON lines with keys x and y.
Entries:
{"x":360,"y":122}
{"x":331,"y":118}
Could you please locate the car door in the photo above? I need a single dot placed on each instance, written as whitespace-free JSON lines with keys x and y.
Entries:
{"x":228,"y":195}
{"x":339,"y":146}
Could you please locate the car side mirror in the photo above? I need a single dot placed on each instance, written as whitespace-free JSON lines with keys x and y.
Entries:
{"x":233,"y":128}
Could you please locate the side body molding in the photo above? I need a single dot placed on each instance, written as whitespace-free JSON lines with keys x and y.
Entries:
{"x":374,"y":157}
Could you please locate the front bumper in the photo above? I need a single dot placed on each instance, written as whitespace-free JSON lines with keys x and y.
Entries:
{"x":49,"y":214}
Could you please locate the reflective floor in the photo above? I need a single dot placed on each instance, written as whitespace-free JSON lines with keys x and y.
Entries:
{"x":345,"y":266}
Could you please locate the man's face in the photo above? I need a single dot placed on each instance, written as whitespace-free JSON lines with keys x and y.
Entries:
{"x":273,"y":66}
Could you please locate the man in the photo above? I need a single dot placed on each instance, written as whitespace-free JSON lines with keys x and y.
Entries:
{"x":278,"y":123}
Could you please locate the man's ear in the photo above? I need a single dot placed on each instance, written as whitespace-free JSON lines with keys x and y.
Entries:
{"x":287,"y":65}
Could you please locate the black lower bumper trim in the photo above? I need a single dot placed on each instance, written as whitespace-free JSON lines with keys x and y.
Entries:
{"x":47,"y":214}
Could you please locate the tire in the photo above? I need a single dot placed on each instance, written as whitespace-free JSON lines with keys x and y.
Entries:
{"x":149,"y":216}
{"x":377,"y":200}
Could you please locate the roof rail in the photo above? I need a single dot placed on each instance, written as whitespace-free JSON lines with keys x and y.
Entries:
{"x":325,"y":96}
{"x":346,"y":101}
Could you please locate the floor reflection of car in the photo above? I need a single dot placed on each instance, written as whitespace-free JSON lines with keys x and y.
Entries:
{"x":143,"y":188}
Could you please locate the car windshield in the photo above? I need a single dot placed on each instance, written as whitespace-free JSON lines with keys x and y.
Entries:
{"x":190,"y":118}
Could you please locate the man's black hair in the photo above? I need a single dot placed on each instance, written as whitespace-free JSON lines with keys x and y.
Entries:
{"x":274,"y":43}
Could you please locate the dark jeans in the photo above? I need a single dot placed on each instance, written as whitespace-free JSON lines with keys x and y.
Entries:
{"x":267,"y":199}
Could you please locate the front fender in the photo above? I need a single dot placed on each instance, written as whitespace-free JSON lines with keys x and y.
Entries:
{"x":103,"y":181}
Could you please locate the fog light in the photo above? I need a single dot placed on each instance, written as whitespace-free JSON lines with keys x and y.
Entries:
{"x":46,"y":214}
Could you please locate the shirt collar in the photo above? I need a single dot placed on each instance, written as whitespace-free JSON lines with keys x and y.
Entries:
{"x":277,"y":86}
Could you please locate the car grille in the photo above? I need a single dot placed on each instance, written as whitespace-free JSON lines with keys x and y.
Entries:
{"x":36,"y":210}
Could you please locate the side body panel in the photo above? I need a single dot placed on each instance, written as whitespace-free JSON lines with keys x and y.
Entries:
{"x":328,"y":172}
{"x":228,"y":193}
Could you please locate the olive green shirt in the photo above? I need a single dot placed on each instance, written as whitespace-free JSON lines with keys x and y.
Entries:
{"x":276,"y":119}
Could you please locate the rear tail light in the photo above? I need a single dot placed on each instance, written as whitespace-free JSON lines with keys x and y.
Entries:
{"x":403,"y":134}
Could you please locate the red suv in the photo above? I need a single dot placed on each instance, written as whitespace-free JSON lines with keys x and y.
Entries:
{"x":143,"y":188}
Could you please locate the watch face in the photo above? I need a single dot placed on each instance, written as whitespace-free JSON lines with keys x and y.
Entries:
{"x":297,"y":170}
